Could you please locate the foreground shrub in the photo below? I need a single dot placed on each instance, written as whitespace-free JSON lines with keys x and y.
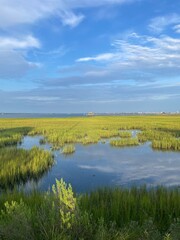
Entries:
{"x":15,"y":222}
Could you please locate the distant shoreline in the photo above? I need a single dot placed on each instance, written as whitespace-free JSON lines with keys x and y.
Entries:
{"x":66,"y":115}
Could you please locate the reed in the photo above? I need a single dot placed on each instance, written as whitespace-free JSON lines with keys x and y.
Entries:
{"x":125,"y":134}
{"x":118,"y":214}
{"x":122,"y":206}
{"x":68,"y":149}
{"x":60,"y":132}
{"x":124,"y":142}
{"x":167,"y":144}
{"x":18,"y":165}
{"x":12,"y":136}
{"x":150,"y":135}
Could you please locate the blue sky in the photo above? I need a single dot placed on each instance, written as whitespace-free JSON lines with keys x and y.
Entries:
{"x":64,"y":56}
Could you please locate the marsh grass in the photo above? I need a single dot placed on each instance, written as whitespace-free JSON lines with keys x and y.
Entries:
{"x":12,"y":136}
{"x":117,"y":214}
{"x":125,"y":134}
{"x":68,"y":149}
{"x":161,"y":205}
{"x":150,"y":135}
{"x":105,"y":214}
{"x":124,"y":142}
{"x":167,"y":144}
{"x":83,"y":130}
{"x":19,"y":165}
{"x":161,"y":140}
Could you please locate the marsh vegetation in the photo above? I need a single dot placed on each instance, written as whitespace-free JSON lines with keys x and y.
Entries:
{"x":12,"y":136}
{"x":68,"y":149}
{"x":84,"y":130}
{"x":124,"y":142}
{"x":118,"y":213}
{"x":18,"y":165}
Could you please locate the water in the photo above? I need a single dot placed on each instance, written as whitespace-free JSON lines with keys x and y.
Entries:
{"x":99,"y":165}
{"x":66,"y":115}
{"x":40,"y":115}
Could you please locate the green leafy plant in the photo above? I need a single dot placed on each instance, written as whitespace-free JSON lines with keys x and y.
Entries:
{"x":65,"y":201}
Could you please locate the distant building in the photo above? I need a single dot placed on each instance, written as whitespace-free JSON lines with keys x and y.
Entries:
{"x":90,"y":114}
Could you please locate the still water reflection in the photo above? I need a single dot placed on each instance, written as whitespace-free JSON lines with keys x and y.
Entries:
{"x":100,"y":165}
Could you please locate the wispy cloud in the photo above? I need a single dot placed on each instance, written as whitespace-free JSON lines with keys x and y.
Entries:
{"x":177,"y":28}
{"x":13,"y":13}
{"x":19,"y":43}
{"x":159,"y":24}
{"x":111,"y":97}
{"x":71,"y":19}
{"x":17,"y":18}
{"x":141,"y":52}
{"x":13,"y":62}
{"x":39,"y":98}
{"x":100,"y":57}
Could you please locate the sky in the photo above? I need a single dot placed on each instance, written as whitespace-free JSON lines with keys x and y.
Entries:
{"x":76,"y":56}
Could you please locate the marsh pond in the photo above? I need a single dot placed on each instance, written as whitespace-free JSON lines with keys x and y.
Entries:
{"x":90,"y":153}
{"x":98,"y":165}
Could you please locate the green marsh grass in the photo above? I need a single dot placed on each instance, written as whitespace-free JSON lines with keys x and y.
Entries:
{"x":124,"y":142}
{"x":68,"y":149}
{"x":84,"y":130}
{"x":150,"y":135}
{"x":117,"y":214}
{"x":19,"y":165}
{"x":161,"y":205}
{"x":12,"y":136}
{"x":167,"y":144}
{"x":125,"y":134}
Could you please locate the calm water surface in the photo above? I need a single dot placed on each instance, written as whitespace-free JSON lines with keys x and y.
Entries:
{"x":101,"y":165}
{"x":40,"y":115}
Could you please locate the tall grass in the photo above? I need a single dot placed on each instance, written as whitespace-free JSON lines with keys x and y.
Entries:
{"x":125,"y":134}
{"x":161,"y":205}
{"x":60,"y":132}
{"x":19,"y":165}
{"x":124,"y":142}
{"x":12,"y":136}
{"x":68,"y":149}
{"x":160,"y":139}
{"x":167,"y":144}
{"x":150,"y":135}
{"x":117,"y":214}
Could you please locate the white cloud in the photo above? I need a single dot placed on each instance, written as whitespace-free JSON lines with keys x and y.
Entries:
{"x":141,"y":52}
{"x":159,"y":24}
{"x":100,"y":57}
{"x":19,"y":43}
{"x":14,"y":65}
{"x":177,"y":28}
{"x":96,"y":73}
{"x":17,"y":12}
{"x":39,"y":98}
{"x":70,"y":19}
{"x":90,"y":3}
